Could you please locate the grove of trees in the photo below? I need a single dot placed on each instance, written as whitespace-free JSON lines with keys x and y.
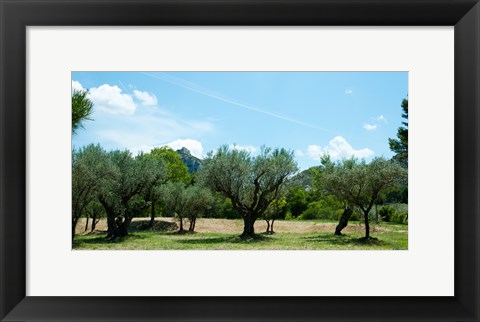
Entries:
{"x":359,"y":184}
{"x":233,"y":183}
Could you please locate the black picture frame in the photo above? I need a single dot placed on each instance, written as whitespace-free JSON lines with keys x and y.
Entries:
{"x":16,"y":15}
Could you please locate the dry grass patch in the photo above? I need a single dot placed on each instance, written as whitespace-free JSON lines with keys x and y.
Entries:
{"x":235,"y":226}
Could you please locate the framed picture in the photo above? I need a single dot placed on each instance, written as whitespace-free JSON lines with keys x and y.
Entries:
{"x":433,"y":276}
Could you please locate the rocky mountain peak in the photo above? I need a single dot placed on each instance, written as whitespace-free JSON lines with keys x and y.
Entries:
{"x":193,"y":163}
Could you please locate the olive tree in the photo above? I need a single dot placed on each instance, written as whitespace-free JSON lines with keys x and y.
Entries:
{"x":174,"y":201}
{"x":198,"y":200}
{"x":358,"y":183}
{"x":90,"y":173}
{"x":123,"y":196}
{"x":251,"y":183}
{"x":94,"y":212}
{"x":276,"y":210}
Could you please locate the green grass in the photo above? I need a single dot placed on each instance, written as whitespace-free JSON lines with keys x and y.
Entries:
{"x":395,"y":238}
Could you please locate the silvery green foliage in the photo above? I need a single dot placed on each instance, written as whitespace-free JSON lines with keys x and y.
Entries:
{"x":131,"y":176}
{"x":251,"y":183}
{"x":198,"y":200}
{"x":173,"y":198}
{"x":122,"y":197}
{"x":185,"y":202}
{"x":90,"y":176}
{"x":359,"y":183}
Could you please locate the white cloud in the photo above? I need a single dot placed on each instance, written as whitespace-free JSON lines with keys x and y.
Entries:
{"x":348,"y":91}
{"x":299,"y":153}
{"x":381,"y":118}
{"x":369,"y":127}
{"x":76,"y":86}
{"x":337,"y":148}
{"x":248,"y":148}
{"x":142,"y":148}
{"x":111,"y":99}
{"x":145,"y":98}
{"x":195,"y":147}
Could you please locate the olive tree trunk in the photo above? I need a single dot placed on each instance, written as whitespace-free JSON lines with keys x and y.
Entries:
{"x":152,"y":214}
{"x":347,"y":213}
{"x":248,"y":229}
{"x":367,"y":224}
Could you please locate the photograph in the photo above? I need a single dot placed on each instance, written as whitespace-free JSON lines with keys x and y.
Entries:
{"x":230,"y":160}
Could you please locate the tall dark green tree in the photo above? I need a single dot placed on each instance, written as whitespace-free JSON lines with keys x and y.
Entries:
{"x":176,"y":171}
{"x":82,"y":109}
{"x":400,"y":145}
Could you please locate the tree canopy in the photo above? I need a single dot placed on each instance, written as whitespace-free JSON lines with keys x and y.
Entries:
{"x":251,"y":183}
{"x":176,"y":169}
{"x":124,"y":196}
{"x":358,"y":183}
{"x":90,"y":172}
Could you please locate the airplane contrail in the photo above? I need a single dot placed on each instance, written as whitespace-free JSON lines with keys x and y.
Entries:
{"x":123,"y":86}
{"x":206,"y":92}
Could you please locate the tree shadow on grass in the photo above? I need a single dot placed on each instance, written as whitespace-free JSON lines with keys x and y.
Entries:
{"x":159,"y":225}
{"x":225,"y":240}
{"x":101,"y":239}
{"x":344,"y":240}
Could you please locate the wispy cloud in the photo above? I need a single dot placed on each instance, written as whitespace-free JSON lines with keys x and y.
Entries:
{"x":369,"y":127}
{"x":377,"y":121}
{"x":381,"y":118}
{"x":348,"y":91}
{"x":299,"y":153}
{"x":209,"y":93}
{"x":337,"y":148}
{"x":248,"y":148}
{"x":145,"y":98}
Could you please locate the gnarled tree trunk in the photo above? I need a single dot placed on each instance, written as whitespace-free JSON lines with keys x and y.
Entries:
{"x":347,"y":213}
{"x":268,"y":226}
{"x":193,"y":220}
{"x":248,"y":229}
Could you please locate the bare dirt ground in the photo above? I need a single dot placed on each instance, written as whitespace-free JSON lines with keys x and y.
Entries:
{"x":234,"y":226}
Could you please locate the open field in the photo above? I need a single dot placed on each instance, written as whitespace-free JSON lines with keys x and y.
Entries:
{"x":223,"y":234}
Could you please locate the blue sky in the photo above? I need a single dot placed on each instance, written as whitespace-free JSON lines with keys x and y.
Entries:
{"x":311,"y":113}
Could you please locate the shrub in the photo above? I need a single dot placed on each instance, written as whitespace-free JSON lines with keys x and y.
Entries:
{"x":322,"y":209}
{"x":387,"y":212}
{"x":400,"y":217}
{"x":289,"y":216}
{"x":394,"y":214}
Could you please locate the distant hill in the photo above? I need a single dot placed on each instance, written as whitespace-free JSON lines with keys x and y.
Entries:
{"x":193,"y":163}
{"x":304,"y":179}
